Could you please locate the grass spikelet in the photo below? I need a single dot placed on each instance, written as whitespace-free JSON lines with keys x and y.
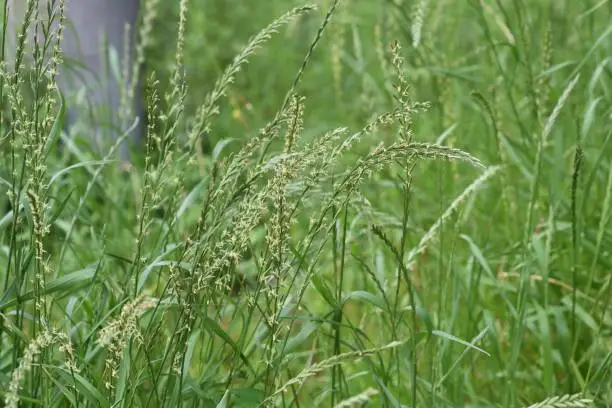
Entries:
{"x":43,"y":341}
{"x":402,"y":93}
{"x":499,"y":22}
{"x":383,"y":155}
{"x":336,"y":49}
{"x":543,"y":82}
{"x":232,"y":243}
{"x":149,"y":14}
{"x":402,"y":89}
{"x":33,"y":116}
{"x":358,"y":400}
{"x":22,"y":35}
{"x":228,"y":186}
{"x":418,"y":18}
{"x":316,"y":368}
{"x":548,"y":125}
{"x":41,"y":229}
{"x":179,"y":56}
{"x":115,"y":335}
{"x":550,"y":122}
{"x":209,"y":108}
{"x":487,"y":174}
{"x":153,"y":192}
{"x":578,"y":163}
{"x":55,"y":61}
{"x":564,"y":401}
{"x":133,"y":64}
{"x":279,"y":224}
{"x":433,"y":151}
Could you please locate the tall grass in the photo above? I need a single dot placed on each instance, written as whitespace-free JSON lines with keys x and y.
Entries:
{"x":422,"y":221}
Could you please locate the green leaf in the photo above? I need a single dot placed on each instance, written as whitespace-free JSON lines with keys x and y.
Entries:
{"x":86,"y":164}
{"x":67,"y":393}
{"x":64,"y":284}
{"x":548,"y":376}
{"x":589,"y":118}
{"x":224,"y":401}
{"x":122,"y":383}
{"x":191,"y":343}
{"x":60,"y":208}
{"x":582,"y":314}
{"x":84,"y":387}
{"x":221,"y":144}
{"x":423,"y":315}
{"x":323,"y":290}
{"x":366,"y":297}
{"x":213,"y":327}
{"x":190,"y":200}
{"x":450,"y":337}
{"x":157,"y":263}
{"x":300,"y":338}
{"x":247,"y":397}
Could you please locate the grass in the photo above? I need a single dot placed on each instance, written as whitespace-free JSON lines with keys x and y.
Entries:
{"x":394,"y":204}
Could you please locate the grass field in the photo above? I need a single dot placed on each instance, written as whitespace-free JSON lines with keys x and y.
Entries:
{"x":367,"y":204}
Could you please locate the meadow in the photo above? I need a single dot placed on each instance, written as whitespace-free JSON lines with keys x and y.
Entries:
{"x":345,"y":203}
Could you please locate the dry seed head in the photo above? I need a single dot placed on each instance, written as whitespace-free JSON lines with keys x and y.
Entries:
{"x":330,"y":362}
{"x":423,"y":243}
{"x":320,"y":157}
{"x":180,"y":44}
{"x":382,"y":155}
{"x":277,"y":237}
{"x":337,"y":47}
{"x":226,"y":253}
{"x":153,"y":112}
{"x":565,"y":401}
{"x":23,"y":34}
{"x":543,"y":85}
{"x":115,"y":335}
{"x":499,"y":21}
{"x":35,"y":347}
{"x":402,"y":88}
{"x":239,"y":164}
{"x":41,"y":229}
{"x":550,"y":121}
{"x":210,"y":108}
{"x":55,"y":61}
{"x":358,"y":400}
{"x":295,"y":122}
{"x":149,"y":14}
{"x":418,"y":17}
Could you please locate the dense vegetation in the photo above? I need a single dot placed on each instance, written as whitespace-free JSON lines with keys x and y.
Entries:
{"x":394,"y":204}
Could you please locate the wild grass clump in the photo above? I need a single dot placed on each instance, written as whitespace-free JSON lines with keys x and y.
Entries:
{"x":443,"y":253}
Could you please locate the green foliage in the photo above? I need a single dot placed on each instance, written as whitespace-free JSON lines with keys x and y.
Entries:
{"x":374,"y":204}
